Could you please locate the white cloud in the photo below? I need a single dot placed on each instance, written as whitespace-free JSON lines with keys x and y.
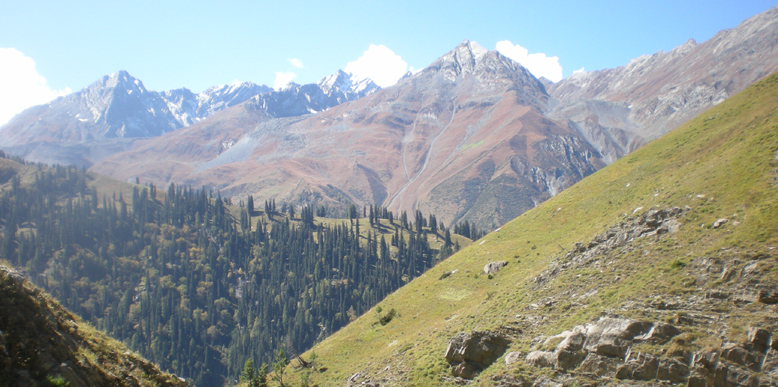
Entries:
{"x":538,"y":64}
{"x":295,"y":62}
{"x":581,"y":70}
{"x":283,"y":79}
{"x":20,"y":85}
{"x":380,"y":64}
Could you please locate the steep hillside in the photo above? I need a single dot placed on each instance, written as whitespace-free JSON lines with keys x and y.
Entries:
{"x":660,"y":267}
{"x":42,"y":344}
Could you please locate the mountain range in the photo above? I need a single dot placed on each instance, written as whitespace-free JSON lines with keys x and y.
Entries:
{"x":474,"y":136}
{"x":109,"y":115}
{"x":639,"y":254}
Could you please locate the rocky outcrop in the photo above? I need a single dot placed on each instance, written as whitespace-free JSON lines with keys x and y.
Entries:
{"x":494,"y":267}
{"x":470,"y":353}
{"x":608,"y":337}
{"x":654,"y":222}
{"x":606,"y":348}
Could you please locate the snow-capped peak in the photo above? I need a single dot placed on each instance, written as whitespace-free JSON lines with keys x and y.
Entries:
{"x":347,"y":83}
{"x":477,"y":50}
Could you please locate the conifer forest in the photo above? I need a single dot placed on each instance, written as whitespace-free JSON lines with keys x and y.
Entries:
{"x":198,"y":285}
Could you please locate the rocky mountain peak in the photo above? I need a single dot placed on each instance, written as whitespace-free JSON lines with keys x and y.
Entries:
{"x":121,"y":80}
{"x":347,"y":83}
{"x":461,"y":61}
{"x":685,"y":48}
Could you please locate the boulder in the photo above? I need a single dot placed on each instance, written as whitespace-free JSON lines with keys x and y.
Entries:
{"x":613,"y":336}
{"x":470,"y":353}
{"x":707,"y":359}
{"x":741,"y":356}
{"x":720,"y":222}
{"x":512,"y":357}
{"x":574,"y":341}
{"x":494,"y":267}
{"x":759,"y":339}
{"x":659,"y":333}
{"x":768,"y":296}
{"x":541,"y":358}
{"x":672,"y":370}
{"x":643,"y":367}
{"x":569,"y":352}
{"x":568,"y":360}
{"x":567,"y":355}
{"x":599,"y":365}
{"x":650,"y":367}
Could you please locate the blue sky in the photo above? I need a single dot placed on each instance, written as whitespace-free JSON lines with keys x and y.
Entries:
{"x":171,"y":44}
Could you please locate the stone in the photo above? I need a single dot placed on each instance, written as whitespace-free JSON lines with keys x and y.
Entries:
{"x":707,"y":359}
{"x":741,"y":356}
{"x":749,"y":269}
{"x":643,"y":367}
{"x":612,"y":336}
{"x":660,"y":333}
{"x":720,"y":222}
{"x":470,"y":353}
{"x":512,"y":357}
{"x":568,"y":353}
{"x":541,"y":358}
{"x":759,"y":339}
{"x":650,"y":367}
{"x":599,"y":365}
{"x":546,"y":382}
{"x":672,"y":370}
{"x":768,"y":296}
{"x":568,"y":360}
{"x":494,"y":267}
{"x":717,"y":294}
{"x":574,"y":341}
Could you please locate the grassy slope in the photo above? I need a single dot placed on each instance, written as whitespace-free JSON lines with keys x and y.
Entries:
{"x":728,"y":154}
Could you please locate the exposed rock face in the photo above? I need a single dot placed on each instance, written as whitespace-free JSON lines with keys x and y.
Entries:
{"x":470,"y":353}
{"x":605,"y":349}
{"x":608,"y":337}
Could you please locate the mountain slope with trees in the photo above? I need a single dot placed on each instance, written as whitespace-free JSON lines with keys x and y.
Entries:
{"x":198,"y":285}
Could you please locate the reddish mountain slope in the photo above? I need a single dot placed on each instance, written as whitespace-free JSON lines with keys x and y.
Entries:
{"x":465,"y":137}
